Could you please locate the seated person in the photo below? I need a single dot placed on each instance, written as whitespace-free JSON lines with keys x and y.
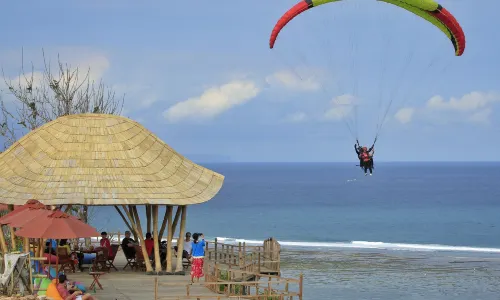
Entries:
{"x":128,"y":245}
{"x":63,"y":243}
{"x":105,"y":243}
{"x":150,"y":244}
{"x":68,"y":291}
{"x":186,"y":253}
{"x":51,"y":246}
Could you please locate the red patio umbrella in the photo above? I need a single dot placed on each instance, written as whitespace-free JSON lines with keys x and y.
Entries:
{"x":23,"y":214}
{"x":56,"y":225}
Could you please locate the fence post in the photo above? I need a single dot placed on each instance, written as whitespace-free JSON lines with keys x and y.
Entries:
{"x":240,"y":263}
{"x":245,"y":253}
{"x":215,"y":249}
{"x":301,"y":280}
{"x":258,"y":264}
{"x":156,"y":288}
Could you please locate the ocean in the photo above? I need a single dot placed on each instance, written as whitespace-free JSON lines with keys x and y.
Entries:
{"x":410,"y":231}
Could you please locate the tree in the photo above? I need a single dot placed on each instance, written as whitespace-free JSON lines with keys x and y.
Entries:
{"x":41,"y":97}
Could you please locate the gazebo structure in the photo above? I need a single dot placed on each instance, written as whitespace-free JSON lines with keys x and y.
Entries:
{"x":97,"y":159}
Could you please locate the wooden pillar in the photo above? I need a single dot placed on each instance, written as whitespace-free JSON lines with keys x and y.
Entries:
{"x":3,"y":244}
{"x":148,"y":217}
{"x":130,"y":228}
{"x":163,"y":224}
{"x":68,"y":208}
{"x":176,"y":219}
{"x":12,"y":232}
{"x":155,"y":237}
{"x":26,"y":245}
{"x":136,"y":223}
{"x":149,"y":268}
{"x":169,"y":238}
{"x":180,"y":243}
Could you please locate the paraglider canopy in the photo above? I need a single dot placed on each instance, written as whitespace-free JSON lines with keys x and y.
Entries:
{"x":426,"y":9}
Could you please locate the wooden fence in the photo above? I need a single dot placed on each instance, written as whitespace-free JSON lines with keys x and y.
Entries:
{"x":259,"y":259}
{"x":224,"y":284}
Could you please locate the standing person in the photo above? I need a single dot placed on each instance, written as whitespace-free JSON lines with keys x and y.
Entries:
{"x":198,"y":256}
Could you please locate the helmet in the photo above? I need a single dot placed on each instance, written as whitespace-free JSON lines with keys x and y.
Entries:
{"x":365,"y":149}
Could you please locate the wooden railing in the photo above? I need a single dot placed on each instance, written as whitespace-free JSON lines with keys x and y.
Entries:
{"x":31,"y":276}
{"x":246,"y":257}
{"x":222,"y":282}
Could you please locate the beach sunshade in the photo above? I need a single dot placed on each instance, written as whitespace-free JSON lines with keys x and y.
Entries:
{"x":24,"y":214}
{"x":101,"y":159}
{"x":57,"y":225}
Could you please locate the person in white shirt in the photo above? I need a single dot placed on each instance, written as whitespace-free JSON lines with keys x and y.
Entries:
{"x":188,"y":246}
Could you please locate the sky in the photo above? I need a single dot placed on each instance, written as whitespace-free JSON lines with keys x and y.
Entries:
{"x":201,"y":75}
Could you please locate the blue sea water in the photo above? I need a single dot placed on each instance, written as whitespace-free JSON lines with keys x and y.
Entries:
{"x":410,"y":231}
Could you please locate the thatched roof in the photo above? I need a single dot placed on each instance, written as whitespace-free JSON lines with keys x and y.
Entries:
{"x":97,"y":159}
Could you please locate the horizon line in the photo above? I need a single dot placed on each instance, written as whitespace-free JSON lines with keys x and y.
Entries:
{"x":347,"y":162}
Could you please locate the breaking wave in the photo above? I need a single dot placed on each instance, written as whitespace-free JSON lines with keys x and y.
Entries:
{"x":368,"y":245}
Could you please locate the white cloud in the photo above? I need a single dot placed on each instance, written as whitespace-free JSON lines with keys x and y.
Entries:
{"x":342,"y":107}
{"x":474,"y":107}
{"x":467,"y":103}
{"x":296,"y":117}
{"x":482,"y":116}
{"x":405,"y":115}
{"x":213,"y":101}
{"x":291,"y":80}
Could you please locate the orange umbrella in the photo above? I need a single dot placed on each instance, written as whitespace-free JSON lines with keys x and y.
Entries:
{"x":24,"y":214}
{"x":56,"y":225}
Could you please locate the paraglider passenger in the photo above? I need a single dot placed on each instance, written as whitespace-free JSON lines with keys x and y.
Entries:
{"x":367,"y":158}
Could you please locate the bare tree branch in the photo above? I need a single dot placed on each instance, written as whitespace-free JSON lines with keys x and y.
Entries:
{"x":44,"y":96}
{"x":41,"y":97}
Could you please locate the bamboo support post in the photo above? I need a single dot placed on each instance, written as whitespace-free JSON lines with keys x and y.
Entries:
{"x":124,"y":220}
{"x":135,"y":222}
{"x":176,"y":219}
{"x":26,"y":245}
{"x":169,"y":238}
{"x":131,"y":212}
{"x":163,"y":224}
{"x":12,"y":232}
{"x":180,"y":242}
{"x":149,"y":268}
{"x":3,"y":244}
{"x":156,"y":241}
{"x":148,"y":218}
